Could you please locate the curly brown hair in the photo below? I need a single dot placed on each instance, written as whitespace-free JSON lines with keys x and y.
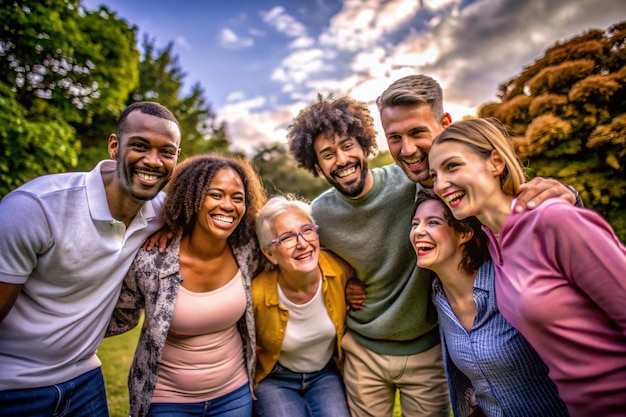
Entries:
{"x":343,"y":116}
{"x":475,"y":252}
{"x":189,"y":187}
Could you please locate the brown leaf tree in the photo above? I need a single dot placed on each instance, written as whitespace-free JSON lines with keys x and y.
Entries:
{"x":567,"y":115}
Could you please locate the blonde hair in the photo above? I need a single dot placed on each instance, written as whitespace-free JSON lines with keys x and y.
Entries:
{"x":483,"y":135}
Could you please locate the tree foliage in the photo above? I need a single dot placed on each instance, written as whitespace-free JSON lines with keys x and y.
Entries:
{"x":59,"y":66}
{"x":567,"y":113}
{"x":281,"y":175}
{"x":64,"y":62}
{"x":31,"y":148}
{"x":161,"y":79}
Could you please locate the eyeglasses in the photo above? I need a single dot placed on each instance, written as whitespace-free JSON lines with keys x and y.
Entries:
{"x":290,"y":240}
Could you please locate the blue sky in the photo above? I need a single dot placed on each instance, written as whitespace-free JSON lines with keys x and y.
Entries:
{"x":262,"y":61}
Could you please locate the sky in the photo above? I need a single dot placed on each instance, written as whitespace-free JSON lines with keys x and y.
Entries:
{"x":262,"y":61}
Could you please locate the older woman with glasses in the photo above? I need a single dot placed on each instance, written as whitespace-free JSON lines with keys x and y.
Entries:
{"x":299,"y":310}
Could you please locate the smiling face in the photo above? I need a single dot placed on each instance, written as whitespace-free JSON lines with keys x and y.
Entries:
{"x":437,"y":245}
{"x":409,"y":130}
{"x":464,"y":179}
{"x":343,"y":163}
{"x":146,"y":152}
{"x":224,"y":206}
{"x":304,"y":257}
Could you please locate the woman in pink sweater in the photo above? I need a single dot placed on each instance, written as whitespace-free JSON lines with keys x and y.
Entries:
{"x":560,"y":270}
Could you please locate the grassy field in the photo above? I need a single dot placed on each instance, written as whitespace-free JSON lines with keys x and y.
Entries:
{"x":116,"y":354}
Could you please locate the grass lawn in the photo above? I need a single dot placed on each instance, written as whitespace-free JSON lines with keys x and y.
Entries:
{"x":116,"y":354}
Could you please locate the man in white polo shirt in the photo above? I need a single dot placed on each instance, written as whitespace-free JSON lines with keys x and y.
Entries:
{"x":67,"y":241}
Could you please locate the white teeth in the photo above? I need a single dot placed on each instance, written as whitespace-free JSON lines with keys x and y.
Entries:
{"x":346,"y":172}
{"x":303,"y":257}
{"x":450,"y":199}
{"x":147,"y":177}
{"x":224,"y":219}
{"x":424,"y":247}
{"x":414,"y":161}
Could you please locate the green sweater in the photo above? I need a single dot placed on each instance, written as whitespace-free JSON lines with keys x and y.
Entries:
{"x":372,"y":234}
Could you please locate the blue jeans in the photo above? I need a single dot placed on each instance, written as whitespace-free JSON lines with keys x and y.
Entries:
{"x":235,"y":404}
{"x":284,"y":393}
{"x":83,"y":396}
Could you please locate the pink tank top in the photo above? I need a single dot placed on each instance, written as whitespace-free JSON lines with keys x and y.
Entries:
{"x":203,"y":355}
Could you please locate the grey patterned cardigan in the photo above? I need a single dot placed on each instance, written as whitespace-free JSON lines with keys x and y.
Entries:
{"x":152,"y":283}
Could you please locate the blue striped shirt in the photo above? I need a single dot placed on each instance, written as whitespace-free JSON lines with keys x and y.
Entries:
{"x":492,"y":362}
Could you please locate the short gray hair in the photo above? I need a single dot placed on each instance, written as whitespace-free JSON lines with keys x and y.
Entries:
{"x":275,"y":207}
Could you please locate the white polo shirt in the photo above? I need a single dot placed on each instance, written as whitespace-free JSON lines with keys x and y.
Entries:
{"x":58,"y":238}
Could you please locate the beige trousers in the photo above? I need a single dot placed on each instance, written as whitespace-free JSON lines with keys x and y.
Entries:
{"x":372,"y":380}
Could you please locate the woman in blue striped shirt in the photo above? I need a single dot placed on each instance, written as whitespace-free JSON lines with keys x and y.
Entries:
{"x":491,"y":369}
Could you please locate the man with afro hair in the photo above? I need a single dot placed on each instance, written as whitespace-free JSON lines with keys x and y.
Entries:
{"x":392,"y":343}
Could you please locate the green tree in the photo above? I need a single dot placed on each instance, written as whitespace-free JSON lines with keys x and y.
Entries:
{"x":30,"y":148}
{"x":161,"y":79}
{"x":567,"y":113}
{"x":59,"y":66}
{"x":281,"y":174}
{"x":62,"y":62}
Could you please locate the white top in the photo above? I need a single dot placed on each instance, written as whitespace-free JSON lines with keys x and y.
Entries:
{"x":59,"y":239}
{"x":310,"y":334}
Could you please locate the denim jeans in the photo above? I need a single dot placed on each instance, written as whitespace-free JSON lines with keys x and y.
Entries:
{"x":284,"y":393}
{"x":83,"y":396}
{"x":235,"y":404}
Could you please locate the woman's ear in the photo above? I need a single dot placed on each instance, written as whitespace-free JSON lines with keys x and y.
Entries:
{"x":466,"y":235}
{"x":497,"y":162}
{"x":269,"y":255}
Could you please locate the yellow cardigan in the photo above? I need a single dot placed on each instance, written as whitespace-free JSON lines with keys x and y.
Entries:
{"x":271,"y":318}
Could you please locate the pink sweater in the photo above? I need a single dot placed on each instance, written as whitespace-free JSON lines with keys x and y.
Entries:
{"x":561,"y":281}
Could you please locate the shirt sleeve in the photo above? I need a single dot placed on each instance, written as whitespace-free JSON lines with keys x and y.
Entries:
{"x":130,"y":303}
{"x":590,"y":255}
{"x":25,"y":234}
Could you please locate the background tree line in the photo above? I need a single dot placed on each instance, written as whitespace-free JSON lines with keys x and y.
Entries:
{"x":66,"y":74}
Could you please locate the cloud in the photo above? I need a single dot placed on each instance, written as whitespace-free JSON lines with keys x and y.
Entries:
{"x":182,"y":42}
{"x":230,"y":40}
{"x":236,"y":96}
{"x":284,"y":23}
{"x":302,"y":42}
{"x":248,"y":129}
{"x":469,"y":47}
{"x":299,"y":65}
{"x":361,"y":24}
{"x":256,"y":32}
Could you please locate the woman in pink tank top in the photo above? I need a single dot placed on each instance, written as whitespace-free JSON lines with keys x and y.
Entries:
{"x":196,"y":352}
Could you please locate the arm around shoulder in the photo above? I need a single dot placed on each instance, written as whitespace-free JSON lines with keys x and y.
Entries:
{"x":539,"y":189}
{"x":8,"y":295}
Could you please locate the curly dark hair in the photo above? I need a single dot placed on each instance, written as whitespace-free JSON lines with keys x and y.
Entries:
{"x":189,"y":187}
{"x":475,"y":252}
{"x":343,"y":116}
